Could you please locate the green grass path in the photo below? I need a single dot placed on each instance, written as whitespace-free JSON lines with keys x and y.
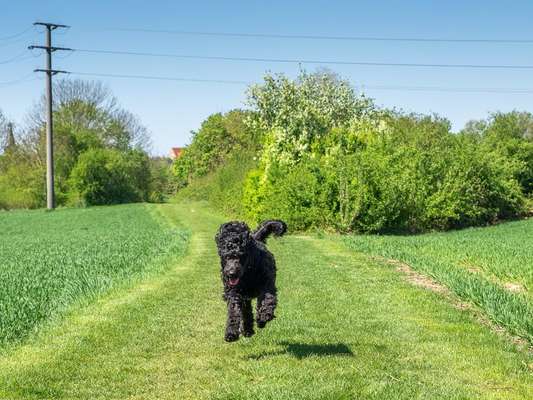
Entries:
{"x":347,"y":328}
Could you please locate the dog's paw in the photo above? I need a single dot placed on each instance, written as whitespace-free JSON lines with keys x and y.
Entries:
{"x":231,"y":337}
{"x":248,"y":333}
{"x":263,"y":319}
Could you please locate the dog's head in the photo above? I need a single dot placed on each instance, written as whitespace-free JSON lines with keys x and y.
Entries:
{"x":233,"y":241}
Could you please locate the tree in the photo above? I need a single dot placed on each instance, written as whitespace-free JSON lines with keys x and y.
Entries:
{"x":298,"y":113}
{"x":509,"y":135}
{"x":89,"y":106}
{"x":219,"y":137}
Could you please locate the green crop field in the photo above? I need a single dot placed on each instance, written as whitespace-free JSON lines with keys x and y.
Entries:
{"x":490,"y":267}
{"x":48,"y":261}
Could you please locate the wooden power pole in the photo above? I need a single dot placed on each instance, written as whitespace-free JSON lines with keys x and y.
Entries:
{"x":50,"y":197}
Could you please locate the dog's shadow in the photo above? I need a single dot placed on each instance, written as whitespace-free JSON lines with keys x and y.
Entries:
{"x":303,"y":350}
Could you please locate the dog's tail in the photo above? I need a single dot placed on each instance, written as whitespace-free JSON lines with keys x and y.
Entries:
{"x":274,"y":226}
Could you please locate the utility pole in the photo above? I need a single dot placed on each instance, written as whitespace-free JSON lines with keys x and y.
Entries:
{"x":50,"y":198}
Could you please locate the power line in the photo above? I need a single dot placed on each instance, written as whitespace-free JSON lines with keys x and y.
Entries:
{"x":361,"y":86}
{"x":160,"y":78}
{"x":19,"y":57}
{"x":16,"y":35}
{"x":26,"y":78}
{"x":304,"y":61}
{"x":324,"y":37}
{"x":448,"y":89}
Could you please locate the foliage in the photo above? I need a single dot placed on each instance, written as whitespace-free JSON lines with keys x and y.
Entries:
{"x":223,"y":188}
{"x":296,"y":114}
{"x":372,"y":170}
{"x":106,"y":176}
{"x":508,"y":135}
{"x":161,"y":183}
{"x":52,"y":260}
{"x":479,"y":265}
{"x":3,"y":132}
{"x":402,"y":173}
{"x":329,"y":158}
{"x":219,"y":137}
{"x":88,"y":125}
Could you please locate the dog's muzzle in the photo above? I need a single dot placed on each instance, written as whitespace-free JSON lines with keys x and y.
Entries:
{"x":232,"y":271}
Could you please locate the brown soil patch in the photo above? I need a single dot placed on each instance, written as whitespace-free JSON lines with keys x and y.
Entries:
{"x":514,"y":287}
{"x":418,"y":279}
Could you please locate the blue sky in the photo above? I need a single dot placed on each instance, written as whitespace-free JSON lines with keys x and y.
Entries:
{"x":172,"y":109}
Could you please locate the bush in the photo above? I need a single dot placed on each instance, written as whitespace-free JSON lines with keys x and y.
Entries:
{"x":218,"y":139}
{"x":509,"y":135}
{"x":411,"y":175}
{"x":106,"y":176}
{"x":330,"y":159}
{"x":22,"y":184}
{"x":224,"y":188}
{"x":293,"y":195}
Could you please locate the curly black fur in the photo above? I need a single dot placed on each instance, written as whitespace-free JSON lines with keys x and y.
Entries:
{"x":248,"y":271}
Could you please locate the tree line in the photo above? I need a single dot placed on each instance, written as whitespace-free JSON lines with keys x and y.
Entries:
{"x":315,"y":153}
{"x":101,"y":152}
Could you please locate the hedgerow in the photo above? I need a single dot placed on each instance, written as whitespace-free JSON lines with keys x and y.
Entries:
{"x":329,"y":158}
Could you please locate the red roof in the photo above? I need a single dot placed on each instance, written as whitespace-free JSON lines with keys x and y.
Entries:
{"x":175,"y":152}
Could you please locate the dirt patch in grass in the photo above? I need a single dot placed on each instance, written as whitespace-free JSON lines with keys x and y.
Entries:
{"x":514,"y":287}
{"x":418,"y":279}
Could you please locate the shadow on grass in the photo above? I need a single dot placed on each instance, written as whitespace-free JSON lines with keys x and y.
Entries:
{"x":303,"y":350}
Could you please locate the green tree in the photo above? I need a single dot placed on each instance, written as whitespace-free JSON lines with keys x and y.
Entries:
{"x":218,"y":139}
{"x":107,"y":176}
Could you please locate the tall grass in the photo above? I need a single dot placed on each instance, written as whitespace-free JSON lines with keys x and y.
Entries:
{"x":48,"y":261}
{"x":491,"y":267}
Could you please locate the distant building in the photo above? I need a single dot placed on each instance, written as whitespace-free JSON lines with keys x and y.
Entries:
{"x":175,"y":152}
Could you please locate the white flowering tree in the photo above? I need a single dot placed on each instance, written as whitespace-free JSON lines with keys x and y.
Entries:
{"x":299,"y":113}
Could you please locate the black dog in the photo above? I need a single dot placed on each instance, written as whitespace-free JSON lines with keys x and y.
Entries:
{"x":248,"y":271}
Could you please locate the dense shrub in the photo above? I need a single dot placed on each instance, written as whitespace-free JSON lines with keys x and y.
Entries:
{"x":408,"y":175}
{"x":223,"y":188}
{"x":329,"y":158}
{"x":508,"y":135}
{"x":106,"y":176}
{"x":218,"y":139}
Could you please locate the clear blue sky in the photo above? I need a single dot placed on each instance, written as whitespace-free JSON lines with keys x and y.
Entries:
{"x":172,"y":109}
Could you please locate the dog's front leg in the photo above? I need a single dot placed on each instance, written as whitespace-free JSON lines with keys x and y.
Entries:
{"x":234,"y":317}
{"x":247,"y":324}
{"x":266,"y":304}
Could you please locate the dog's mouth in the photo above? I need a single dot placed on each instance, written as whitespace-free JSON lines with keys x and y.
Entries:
{"x":233,"y":281}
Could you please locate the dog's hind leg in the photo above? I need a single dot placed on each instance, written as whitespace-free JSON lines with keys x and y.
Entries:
{"x":266,"y":304}
{"x":234,"y":317}
{"x":247,"y":322}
